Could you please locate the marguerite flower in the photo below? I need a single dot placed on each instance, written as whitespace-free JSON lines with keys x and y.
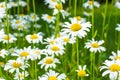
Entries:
{"x":55,"y":49}
{"x":95,"y":46}
{"x":33,"y":17}
{"x":89,"y":4}
{"x":118,"y":27}
{"x":115,"y":56}
{"x":3,"y":53}
{"x":20,"y":75}
{"x":24,"y":53}
{"x":76,"y":28}
{"x":117,"y":4}
{"x":81,"y":71}
{"x":34,"y":38}
{"x":14,"y":65}
{"x":8,"y":38}
{"x":52,"y":75}
{"x":112,"y":68}
{"x":48,"y":62}
{"x":48,"y":18}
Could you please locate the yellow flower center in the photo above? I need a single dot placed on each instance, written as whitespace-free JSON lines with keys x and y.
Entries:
{"x":2,"y":5}
{"x":1,"y":63}
{"x":90,"y":2}
{"x":0,"y":52}
{"x":114,"y":67}
{"x":117,"y":58}
{"x":18,"y":22}
{"x":52,"y":78}
{"x":6,"y":37}
{"x":58,"y":35}
{"x":66,"y":39}
{"x":24,"y":54}
{"x":21,"y":76}
{"x":75,"y":27}
{"x":16,"y":64}
{"x":55,"y":48}
{"x":95,"y":45}
{"x":20,"y":26}
{"x":78,"y":17}
{"x":49,"y":61}
{"x":53,"y":0}
{"x":37,"y":51}
{"x":33,"y":17}
{"x":22,"y":15}
{"x":34,"y":36}
{"x":59,"y":6}
{"x":81,"y":73}
{"x":49,"y":17}
{"x":52,"y":42}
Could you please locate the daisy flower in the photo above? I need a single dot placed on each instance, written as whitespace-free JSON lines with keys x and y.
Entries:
{"x":2,"y":64}
{"x":87,"y":13}
{"x":37,"y":53}
{"x":22,"y":3}
{"x":81,"y":71}
{"x":95,"y":46}
{"x":55,"y":49}
{"x":48,"y":18}
{"x":14,"y":65}
{"x":118,"y":27}
{"x":76,"y":28}
{"x":3,"y":53}
{"x":34,"y":38}
{"x":52,"y":75}
{"x":50,"y":40}
{"x":24,"y":53}
{"x":2,"y":78}
{"x":33,"y":17}
{"x":89,"y":4}
{"x":112,"y":68}
{"x":8,"y":38}
{"x":78,"y":18}
{"x":117,"y":4}
{"x":48,"y":62}
{"x":20,"y":75}
{"x":115,"y":56}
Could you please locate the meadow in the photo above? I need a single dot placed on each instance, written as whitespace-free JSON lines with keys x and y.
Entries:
{"x":59,"y":40}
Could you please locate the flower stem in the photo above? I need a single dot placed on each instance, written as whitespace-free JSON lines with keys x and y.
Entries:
{"x":92,"y":18}
{"x":47,"y":30}
{"x":75,"y":7}
{"x":57,"y":29}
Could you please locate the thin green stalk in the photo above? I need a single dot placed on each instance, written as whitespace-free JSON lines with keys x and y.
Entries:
{"x":24,"y":70}
{"x":35,"y":69}
{"x":69,"y":4}
{"x":47,"y":29}
{"x":82,"y":78}
{"x":57,"y":29}
{"x":91,"y":63}
{"x":104,"y":19}
{"x":118,"y":40}
{"x":18,"y":8}
{"x":77,"y":51}
{"x":92,"y":18}
{"x":75,"y":7}
{"x":28,"y":7}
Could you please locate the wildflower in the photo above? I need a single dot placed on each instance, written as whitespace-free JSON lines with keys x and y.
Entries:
{"x":81,"y":71}
{"x":34,"y":38}
{"x":14,"y":65}
{"x":8,"y":38}
{"x":52,"y":75}
{"x":20,"y":75}
{"x":89,"y":4}
{"x":55,"y":49}
{"x":112,"y":68}
{"x":118,"y":27}
{"x":3,"y":53}
{"x":115,"y":56}
{"x":48,"y":62}
{"x":2,"y":78}
{"x":22,"y":3}
{"x":76,"y":28}
{"x":117,"y":4}
{"x":24,"y":53}
{"x":95,"y":46}
{"x":48,"y":18}
{"x":33,"y":17}
{"x":87,"y":13}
